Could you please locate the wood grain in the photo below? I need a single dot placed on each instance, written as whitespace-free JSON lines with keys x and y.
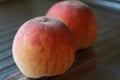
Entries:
{"x":84,"y":64}
{"x":100,"y":62}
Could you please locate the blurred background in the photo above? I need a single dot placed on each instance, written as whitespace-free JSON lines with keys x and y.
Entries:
{"x":103,"y":64}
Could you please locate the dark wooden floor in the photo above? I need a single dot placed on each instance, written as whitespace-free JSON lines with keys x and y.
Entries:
{"x":101,"y":62}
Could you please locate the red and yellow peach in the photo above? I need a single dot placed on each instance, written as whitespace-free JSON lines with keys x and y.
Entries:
{"x":43,"y":47}
{"x":79,"y":18}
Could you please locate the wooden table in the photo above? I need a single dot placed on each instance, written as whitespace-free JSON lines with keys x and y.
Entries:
{"x":100,"y":62}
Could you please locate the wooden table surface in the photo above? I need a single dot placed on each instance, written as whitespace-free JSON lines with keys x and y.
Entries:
{"x":100,"y":62}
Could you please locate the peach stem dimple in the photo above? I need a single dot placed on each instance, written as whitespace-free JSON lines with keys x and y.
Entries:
{"x":43,"y":19}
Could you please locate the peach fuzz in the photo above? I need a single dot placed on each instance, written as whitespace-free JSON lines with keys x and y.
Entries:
{"x":43,"y":46}
{"x":79,"y":18}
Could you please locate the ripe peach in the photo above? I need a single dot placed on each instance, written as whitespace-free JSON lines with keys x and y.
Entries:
{"x":80,"y":20}
{"x":43,"y":46}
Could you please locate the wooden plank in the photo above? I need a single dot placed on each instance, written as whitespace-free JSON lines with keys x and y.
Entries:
{"x":85,"y":62}
{"x":101,"y":62}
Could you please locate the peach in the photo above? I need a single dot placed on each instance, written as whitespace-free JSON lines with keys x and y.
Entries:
{"x":43,"y":46}
{"x":80,"y":20}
